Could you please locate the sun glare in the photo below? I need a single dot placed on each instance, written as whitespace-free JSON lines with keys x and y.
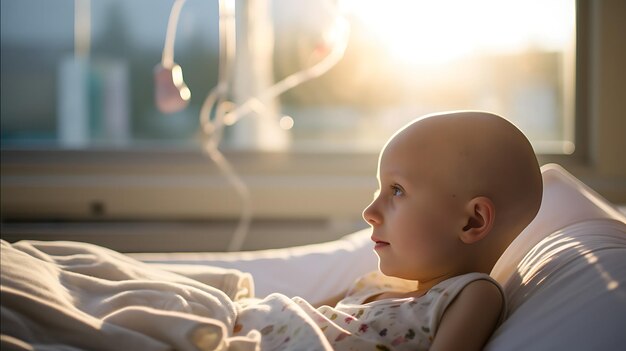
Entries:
{"x":429,"y":32}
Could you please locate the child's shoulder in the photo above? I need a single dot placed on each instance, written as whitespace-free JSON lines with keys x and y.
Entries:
{"x":459,"y":282}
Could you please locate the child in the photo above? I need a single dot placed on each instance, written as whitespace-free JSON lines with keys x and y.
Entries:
{"x":455,"y":189}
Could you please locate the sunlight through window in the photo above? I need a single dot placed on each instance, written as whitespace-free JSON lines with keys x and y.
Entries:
{"x":432,"y":32}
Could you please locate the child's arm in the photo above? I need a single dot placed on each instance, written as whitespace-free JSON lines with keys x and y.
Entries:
{"x":470,"y":320}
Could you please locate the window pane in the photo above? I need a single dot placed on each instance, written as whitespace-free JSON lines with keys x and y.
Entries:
{"x":409,"y":58}
{"x":80,"y":73}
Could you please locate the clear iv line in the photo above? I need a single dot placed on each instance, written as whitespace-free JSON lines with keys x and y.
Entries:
{"x":215,"y":99}
{"x":167,"y":58}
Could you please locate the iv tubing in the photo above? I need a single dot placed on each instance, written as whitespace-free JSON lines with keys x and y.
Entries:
{"x":215,"y":103}
{"x":297,"y":78}
{"x":213,"y":128}
{"x":167,"y":59}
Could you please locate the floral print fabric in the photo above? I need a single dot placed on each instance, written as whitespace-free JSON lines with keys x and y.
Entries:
{"x":389,"y":324}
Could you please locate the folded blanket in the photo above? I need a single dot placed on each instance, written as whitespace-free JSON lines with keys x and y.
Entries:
{"x":65,"y":295}
{"x":232,"y":282}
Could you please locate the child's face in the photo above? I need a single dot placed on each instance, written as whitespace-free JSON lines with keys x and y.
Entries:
{"x":415,"y":217}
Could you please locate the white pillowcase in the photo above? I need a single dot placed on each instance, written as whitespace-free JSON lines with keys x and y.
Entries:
{"x":565,"y":275}
{"x":566,"y":200}
{"x":569,"y":292}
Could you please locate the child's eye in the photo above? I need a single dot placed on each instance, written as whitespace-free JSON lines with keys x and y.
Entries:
{"x":396,"y":190}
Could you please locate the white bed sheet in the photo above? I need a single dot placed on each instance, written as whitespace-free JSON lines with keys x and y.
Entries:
{"x":313,"y":272}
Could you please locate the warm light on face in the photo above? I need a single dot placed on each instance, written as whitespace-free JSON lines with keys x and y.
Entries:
{"x":428,"y":32}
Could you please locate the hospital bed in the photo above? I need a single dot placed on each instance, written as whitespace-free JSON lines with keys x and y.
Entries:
{"x":564,"y":276}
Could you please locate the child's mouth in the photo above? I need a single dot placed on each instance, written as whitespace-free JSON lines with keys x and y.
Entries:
{"x":379,"y":244}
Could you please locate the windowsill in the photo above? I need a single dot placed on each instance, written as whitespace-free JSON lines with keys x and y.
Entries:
{"x":170,"y":183}
{"x":182,"y":184}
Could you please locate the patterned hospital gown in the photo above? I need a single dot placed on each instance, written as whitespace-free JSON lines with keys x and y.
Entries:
{"x":390,"y":324}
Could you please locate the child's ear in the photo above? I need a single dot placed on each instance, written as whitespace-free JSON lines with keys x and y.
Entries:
{"x":481,"y":214}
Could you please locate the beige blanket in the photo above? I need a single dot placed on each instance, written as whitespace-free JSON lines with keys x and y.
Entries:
{"x":70,"y":296}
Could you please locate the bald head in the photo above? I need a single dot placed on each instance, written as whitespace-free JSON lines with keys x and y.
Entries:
{"x":468,"y":154}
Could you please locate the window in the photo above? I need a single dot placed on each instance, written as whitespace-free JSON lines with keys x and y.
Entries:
{"x":80,"y":73}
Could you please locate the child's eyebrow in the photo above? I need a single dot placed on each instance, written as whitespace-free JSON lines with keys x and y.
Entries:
{"x":398,"y":175}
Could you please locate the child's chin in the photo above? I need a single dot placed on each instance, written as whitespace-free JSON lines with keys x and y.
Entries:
{"x":385,"y":269}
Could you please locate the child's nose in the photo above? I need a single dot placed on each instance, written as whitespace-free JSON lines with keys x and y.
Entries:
{"x":371,"y":214}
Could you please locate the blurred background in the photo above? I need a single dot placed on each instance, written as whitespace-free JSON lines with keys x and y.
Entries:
{"x":86,"y":155}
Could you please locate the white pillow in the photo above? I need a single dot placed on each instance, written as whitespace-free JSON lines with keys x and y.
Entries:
{"x":565,"y":275}
{"x":569,"y":292}
{"x":566,"y":200}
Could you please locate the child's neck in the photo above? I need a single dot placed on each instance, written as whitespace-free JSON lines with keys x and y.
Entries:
{"x":425,"y":285}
